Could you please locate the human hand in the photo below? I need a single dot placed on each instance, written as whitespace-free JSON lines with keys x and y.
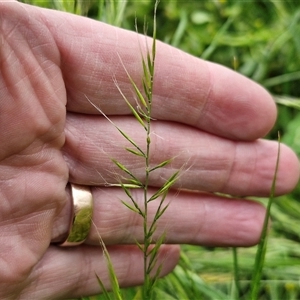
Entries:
{"x":206,"y":116}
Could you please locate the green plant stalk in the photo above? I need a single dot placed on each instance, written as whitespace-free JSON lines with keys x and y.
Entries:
{"x":262,"y":246}
{"x":143,"y":116}
{"x":146,"y":290}
{"x":149,"y":74}
{"x":236,"y":273}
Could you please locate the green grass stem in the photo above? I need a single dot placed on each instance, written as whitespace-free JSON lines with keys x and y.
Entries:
{"x":262,"y":246}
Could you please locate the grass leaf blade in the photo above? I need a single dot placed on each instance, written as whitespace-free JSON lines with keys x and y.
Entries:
{"x":262,"y":246}
{"x":104,"y":291}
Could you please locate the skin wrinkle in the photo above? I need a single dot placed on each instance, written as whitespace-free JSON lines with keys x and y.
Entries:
{"x":108,"y":226}
{"x":132,"y":221}
{"x":95,"y":72}
{"x":216,"y":187}
{"x":171,"y":216}
{"x":185,"y":156}
{"x":106,"y":59}
{"x":242,"y":99}
{"x":8,"y":66}
{"x":254,"y":167}
{"x":16,"y":22}
{"x":122,"y":271}
{"x":169,"y":95}
{"x":167,"y":88}
{"x":207,"y":165}
{"x":265,"y":167}
{"x":67,"y":55}
{"x":205,"y":221}
{"x":155,"y":153}
{"x":70,"y":138}
{"x":125,"y":272}
{"x":47,"y":207}
{"x":230,"y":169}
{"x":32,"y":37}
{"x":200,"y":228}
{"x":86,"y":264}
{"x":207,"y":98}
{"x":62,"y":218}
{"x":210,"y":108}
{"x":41,"y":228}
{"x":38,"y":283}
{"x":247,"y":176}
{"x":16,"y":272}
{"x":6,"y":185}
{"x":10,"y":209}
{"x":243,"y":227}
{"x":80,"y":282}
{"x":68,"y":283}
{"x":34,"y":90}
{"x":110,"y":172}
{"x":118,"y":144}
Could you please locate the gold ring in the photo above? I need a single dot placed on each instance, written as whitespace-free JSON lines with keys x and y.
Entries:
{"x":82,"y":211}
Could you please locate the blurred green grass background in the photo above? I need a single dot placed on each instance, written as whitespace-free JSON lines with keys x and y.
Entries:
{"x":260,"y":39}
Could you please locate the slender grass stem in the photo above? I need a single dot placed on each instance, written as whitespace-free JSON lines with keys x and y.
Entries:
{"x":262,"y":246}
{"x":147,"y":236}
{"x":236,"y":273}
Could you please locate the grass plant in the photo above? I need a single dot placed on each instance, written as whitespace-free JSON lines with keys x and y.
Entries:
{"x":263,"y":37}
{"x":262,"y":246}
{"x":143,"y":115}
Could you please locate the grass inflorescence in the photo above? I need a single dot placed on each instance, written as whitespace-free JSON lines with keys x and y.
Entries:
{"x":143,"y":115}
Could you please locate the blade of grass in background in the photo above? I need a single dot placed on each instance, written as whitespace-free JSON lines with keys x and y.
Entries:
{"x":262,"y":246}
{"x":237,"y":288}
{"x":111,"y":11}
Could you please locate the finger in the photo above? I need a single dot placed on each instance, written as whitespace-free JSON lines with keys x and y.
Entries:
{"x":30,"y":83}
{"x":191,"y":218}
{"x":187,"y":89}
{"x":207,"y":162}
{"x":33,"y":172}
{"x":71,"y":272}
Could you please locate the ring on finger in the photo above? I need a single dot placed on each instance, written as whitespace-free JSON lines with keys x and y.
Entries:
{"x":82,"y":211}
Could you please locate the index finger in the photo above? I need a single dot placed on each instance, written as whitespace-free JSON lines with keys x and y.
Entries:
{"x":186,"y":89}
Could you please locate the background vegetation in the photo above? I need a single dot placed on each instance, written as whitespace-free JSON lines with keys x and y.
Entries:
{"x":261,"y":39}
